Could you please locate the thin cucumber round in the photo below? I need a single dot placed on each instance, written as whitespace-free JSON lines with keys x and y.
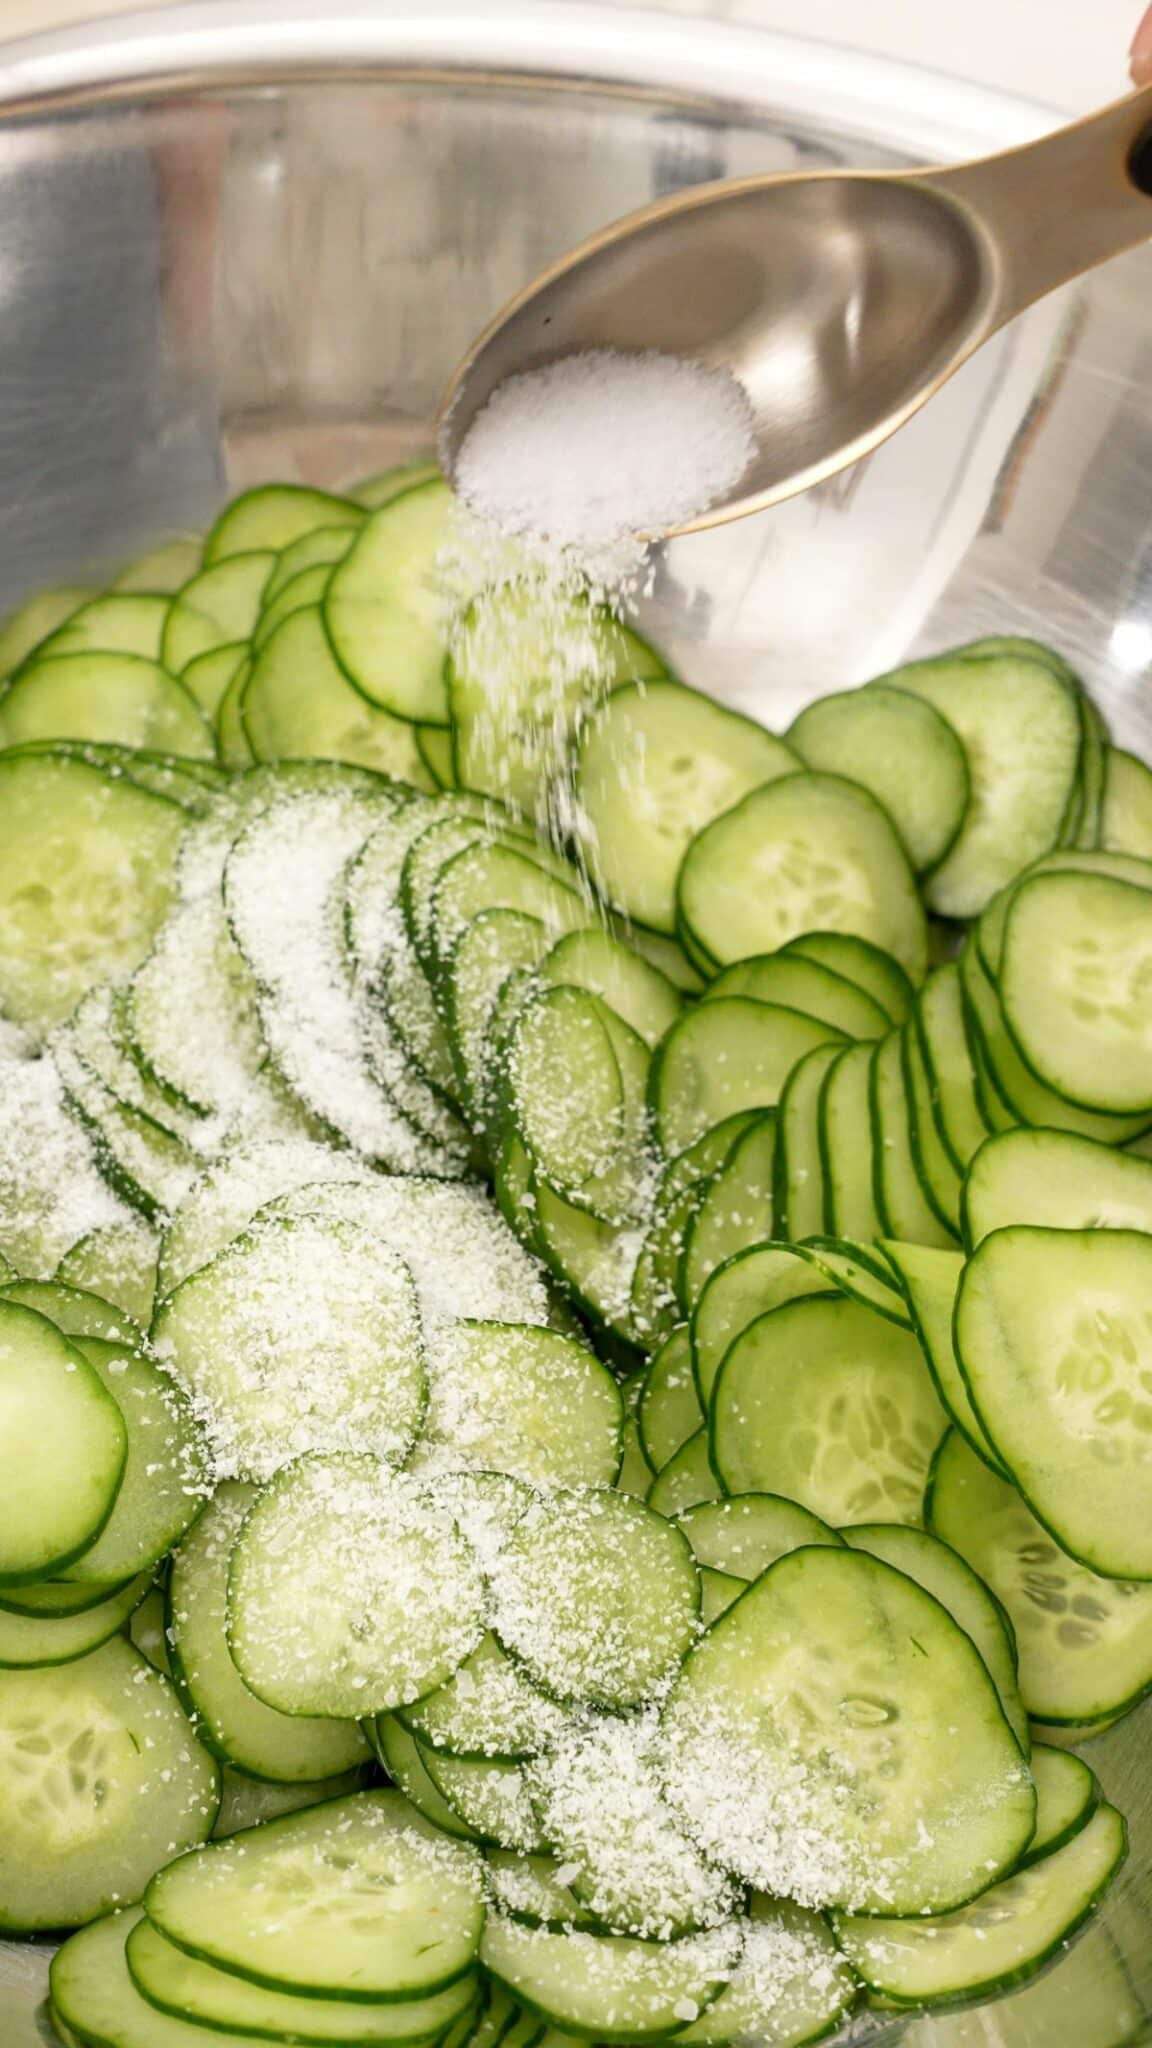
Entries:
{"x":62,"y":1452}
{"x":901,"y":749}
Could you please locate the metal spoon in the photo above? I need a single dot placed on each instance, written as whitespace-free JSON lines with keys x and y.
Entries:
{"x":840,"y":300}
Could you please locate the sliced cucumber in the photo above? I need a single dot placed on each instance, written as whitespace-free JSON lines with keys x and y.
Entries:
{"x":1085,"y":1642}
{"x":901,"y":749}
{"x":948,"y":1065}
{"x":806,"y":853}
{"x":52,"y":1194}
{"x":62,"y":1448}
{"x":230,"y":1194}
{"x":1053,"y":1341}
{"x":1001,"y":1939}
{"x":302,"y":1335}
{"x":323,"y":1615}
{"x":116,"y":623}
{"x":746,"y":1287}
{"x":901,"y":1201}
{"x":831,"y":1405}
{"x":1075,"y":959}
{"x":216,"y":607}
{"x":321,"y":544}
{"x":798,"y":1172}
{"x":33,"y":1640}
{"x":637,"y":991}
{"x":742,"y":1536}
{"x":491,"y":1797}
{"x":1126,"y":822}
{"x":930,"y":1280}
{"x":735,"y":1210}
{"x":688,"y":1479}
{"x":847,"y":1155}
{"x":587,"y":1142}
{"x":229,"y":1719}
{"x":188,"y":1989}
{"x":85,"y":881}
{"x":191,"y":1012}
{"x":384,"y":612}
{"x":1056,"y":1179}
{"x":669,"y":1411}
{"x":273,"y":516}
{"x":596,"y":1596}
{"x":610,"y":1987}
{"x":516,"y":1398}
{"x":297,"y":704}
{"x":801,"y":984}
{"x":868,"y":966}
{"x":1019,"y":724}
{"x":829,"y":1666}
{"x":597,"y":1793}
{"x":1067,"y":1795}
{"x":374,"y":491}
{"x":419,"y":1915}
{"x":401,"y":1758}
{"x":104,"y":1781}
{"x":96,"y":696}
{"x":528,"y":1888}
{"x":655,"y":764}
{"x":117,"y":1262}
{"x":488,"y":1711}
{"x":35,"y":619}
{"x":725,"y":1056}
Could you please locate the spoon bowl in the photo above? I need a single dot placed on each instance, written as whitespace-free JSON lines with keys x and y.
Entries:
{"x":838,"y":300}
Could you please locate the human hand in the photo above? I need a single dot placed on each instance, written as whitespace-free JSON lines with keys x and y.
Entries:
{"x":1140,"y":56}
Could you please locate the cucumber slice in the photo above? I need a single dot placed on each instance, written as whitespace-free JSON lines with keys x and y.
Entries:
{"x":1052,"y":1339}
{"x":829,"y":1664}
{"x":112,"y":624}
{"x":1085,"y":1642}
{"x":943,"y":1573}
{"x":165,"y":1479}
{"x":596,"y":1597}
{"x":797,"y":1173}
{"x":321,"y":544}
{"x":595,"y":1261}
{"x":900,"y":749}
{"x":635,"y":1475}
{"x":188,"y":1989}
{"x":939,"y":1021}
{"x":32,"y":1639}
{"x":1019,"y":724}
{"x":374,"y":491}
{"x":520,"y":674}
{"x":321,"y":1612}
{"x":229,"y":1719}
{"x":726,"y":1056}
{"x":669,"y":957}
{"x":930,"y":1280}
{"x":95,"y":2002}
{"x":162,"y":568}
{"x":140,"y":1158}
{"x":302,"y":1335}
{"x":654,"y":764}
{"x":669,"y":1411}
{"x":941,"y":1183}
{"x":1057,"y":1179}
{"x":32,"y":622}
{"x":610,"y":1987}
{"x":217,"y":607}
{"x":272,"y":1906}
{"x":434,"y":745}
{"x":304,"y":592}
{"x":688,"y":1479}
{"x":574,"y":1137}
{"x":488,"y":1711}
{"x":191,"y":1012}
{"x":736,"y":1209}
{"x":743,"y":1289}
{"x":507,"y":1397}
{"x":1022,"y":1096}
{"x":490,"y":1797}
{"x":401,"y":1758}
{"x":1071,"y":983}
{"x":1067,"y":1796}
{"x":742,"y":1536}
{"x":273,"y":516}
{"x":231,"y":739}
{"x":99,"y":696}
{"x":282,"y":886}
{"x":51,"y":1192}
{"x":1126,"y":822}
{"x":638,"y":992}
{"x":999,"y":1941}
{"x":597,"y":1793}
{"x":104,"y":1782}
{"x":1119,"y":867}
{"x":791,"y":1984}
{"x":97,"y":1034}
{"x":384,"y":610}
{"x":231,"y":1193}
{"x":298,"y":704}
{"x":805,"y":853}
{"x":491,"y":948}
{"x":901,"y":1203}
{"x":528,"y":1888}
{"x":486,"y":876}
{"x":249,"y":1802}
{"x":869,"y":967}
{"x":209,"y":676}
{"x":847,"y":1157}
{"x":801,"y":984}
{"x":464,"y":1263}
{"x":831,"y":1405}
{"x":860,"y":1271}
{"x":85,"y":881}
{"x":62,"y":1449}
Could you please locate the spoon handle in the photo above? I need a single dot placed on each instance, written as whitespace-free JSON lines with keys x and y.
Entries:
{"x":1059,"y":206}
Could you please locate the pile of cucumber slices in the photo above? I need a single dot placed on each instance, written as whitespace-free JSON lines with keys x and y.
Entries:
{"x":575,"y":1404}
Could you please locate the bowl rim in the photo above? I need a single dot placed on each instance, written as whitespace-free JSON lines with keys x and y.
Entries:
{"x":177,"y":52}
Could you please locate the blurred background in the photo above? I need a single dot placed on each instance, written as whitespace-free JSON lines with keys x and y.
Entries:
{"x":1068,"y":53}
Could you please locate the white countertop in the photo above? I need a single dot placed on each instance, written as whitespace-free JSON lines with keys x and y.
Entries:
{"x":1069,"y":53}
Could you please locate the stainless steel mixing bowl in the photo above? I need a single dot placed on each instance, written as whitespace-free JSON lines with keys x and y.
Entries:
{"x":249,"y":243}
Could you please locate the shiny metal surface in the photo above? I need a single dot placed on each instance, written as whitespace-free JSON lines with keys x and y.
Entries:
{"x":840,"y":301}
{"x":251,"y":243}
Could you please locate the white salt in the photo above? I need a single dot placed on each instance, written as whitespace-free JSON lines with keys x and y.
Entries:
{"x":602,"y":445}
